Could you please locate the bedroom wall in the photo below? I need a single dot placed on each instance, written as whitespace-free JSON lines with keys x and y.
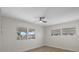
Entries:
{"x":43,"y":36}
{"x":0,"y":34}
{"x":64,"y":42}
{"x":10,"y":34}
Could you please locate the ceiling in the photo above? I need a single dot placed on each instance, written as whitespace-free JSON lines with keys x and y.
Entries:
{"x":54,"y":15}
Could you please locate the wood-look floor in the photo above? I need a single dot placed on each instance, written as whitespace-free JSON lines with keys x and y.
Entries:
{"x":48,"y":49}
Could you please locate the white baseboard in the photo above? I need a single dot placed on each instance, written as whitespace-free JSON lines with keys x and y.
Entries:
{"x":26,"y":50}
{"x":61,"y":48}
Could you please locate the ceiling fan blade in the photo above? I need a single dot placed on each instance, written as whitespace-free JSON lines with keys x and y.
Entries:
{"x":44,"y":21}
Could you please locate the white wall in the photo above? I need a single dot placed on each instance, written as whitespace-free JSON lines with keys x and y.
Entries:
{"x":9,"y":36}
{"x":0,"y":34}
{"x":43,"y":36}
{"x":64,"y":42}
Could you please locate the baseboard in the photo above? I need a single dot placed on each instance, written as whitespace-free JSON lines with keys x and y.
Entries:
{"x":60,"y":48}
{"x":27,"y":50}
{"x":32,"y":49}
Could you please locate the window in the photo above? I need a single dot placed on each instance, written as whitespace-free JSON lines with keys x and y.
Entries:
{"x":22,"y":33}
{"x":31,"y":34}
{"x":68,"y":31}
{"x":56,"y":32}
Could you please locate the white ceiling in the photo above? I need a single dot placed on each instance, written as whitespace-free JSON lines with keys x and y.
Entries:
{"x":55,"y":15}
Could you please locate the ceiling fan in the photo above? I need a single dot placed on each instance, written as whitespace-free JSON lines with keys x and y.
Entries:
{"x":42,"y":19}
